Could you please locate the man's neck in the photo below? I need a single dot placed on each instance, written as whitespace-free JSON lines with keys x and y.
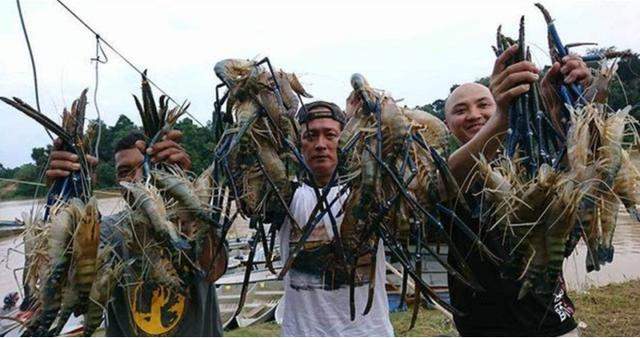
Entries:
{"x":322,"y":181}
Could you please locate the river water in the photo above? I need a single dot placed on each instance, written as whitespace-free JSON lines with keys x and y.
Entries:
{"x":625,"y":266}
{"x":13,"y":209}
{"x":626,"y":258}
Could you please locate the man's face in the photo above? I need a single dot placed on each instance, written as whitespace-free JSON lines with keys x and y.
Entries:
{"x":320,"y":145}
{"x":467,"y":110}
{"x":129,"y":165}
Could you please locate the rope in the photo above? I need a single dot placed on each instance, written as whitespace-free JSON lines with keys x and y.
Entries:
{"x":98,"y":61}
{"x":33,"y":62}
{"x":123,"y":57}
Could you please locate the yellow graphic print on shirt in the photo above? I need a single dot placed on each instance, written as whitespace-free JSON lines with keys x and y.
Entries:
{"x":156,"y":310}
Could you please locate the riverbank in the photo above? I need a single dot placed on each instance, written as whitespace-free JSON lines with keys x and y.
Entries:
{"x":109,"y":203}
{"x":99,"y":194}
{"x":610,"y":310}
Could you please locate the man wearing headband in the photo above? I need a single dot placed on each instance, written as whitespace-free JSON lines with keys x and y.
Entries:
{"x":316,"y":301}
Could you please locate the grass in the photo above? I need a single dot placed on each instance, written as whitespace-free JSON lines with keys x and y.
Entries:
{"x":612,"y":310}
{"x":429,"y":323}
{"x":269,"y":329}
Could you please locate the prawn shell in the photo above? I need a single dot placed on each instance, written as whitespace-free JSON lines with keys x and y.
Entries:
{"x":85,"y":251}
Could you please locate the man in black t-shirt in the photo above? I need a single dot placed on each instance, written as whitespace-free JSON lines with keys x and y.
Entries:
{"x":141,"y":308}
{"x":478,"y":117}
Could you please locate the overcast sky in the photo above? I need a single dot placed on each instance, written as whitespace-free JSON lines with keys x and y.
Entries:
{"x":414,"y":49}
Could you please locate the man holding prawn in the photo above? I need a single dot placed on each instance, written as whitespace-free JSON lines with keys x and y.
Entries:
{"x":316,"y":301}
{"x":478,"y":117}
{"x":145,"y":309}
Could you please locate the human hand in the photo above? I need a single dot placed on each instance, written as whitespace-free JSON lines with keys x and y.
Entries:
{"x":62,"y":163}
{"x":509,"y":82}
{"x":168,"y":150}
{"x":571,"y":70}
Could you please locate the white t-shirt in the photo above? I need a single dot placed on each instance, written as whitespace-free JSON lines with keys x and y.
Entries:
{"x":312,"y":309}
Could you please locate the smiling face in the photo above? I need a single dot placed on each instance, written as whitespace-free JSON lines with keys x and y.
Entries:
{"x":320,"y":147}
{"x":467,"y":109}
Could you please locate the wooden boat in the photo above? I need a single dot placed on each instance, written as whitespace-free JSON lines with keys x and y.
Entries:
{"x":262,"y":301}
{"x":228,"y":298}
{"x":233,"y":264}
{"x":433,"y":274}
{"x":11,"y":324}
{"x":264,"y":293}
{"x":10,"y":228}
{"x":394,"y":286}
{"x":11,"y":223}
{"x":238,"y":243}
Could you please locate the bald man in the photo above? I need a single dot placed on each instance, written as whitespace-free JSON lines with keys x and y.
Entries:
{"x":467,"y":109}
{"x":478,"y":117}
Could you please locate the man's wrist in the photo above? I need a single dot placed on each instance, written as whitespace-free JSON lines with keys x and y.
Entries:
{"x":501,"y":117}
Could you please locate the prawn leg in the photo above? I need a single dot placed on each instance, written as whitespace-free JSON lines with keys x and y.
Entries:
{"x":417,"y":298}
{"x":425,"y":288}
{"x":372,"y":276}
{"x":247,"y":273}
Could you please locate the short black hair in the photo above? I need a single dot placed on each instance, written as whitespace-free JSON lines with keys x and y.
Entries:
{"x":129,"y":141}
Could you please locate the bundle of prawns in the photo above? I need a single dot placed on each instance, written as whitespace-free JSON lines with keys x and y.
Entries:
{"x":256,"y":151}
{"x":544,"y":217}
{"x":61,"y":252}
{"x":560,"y":178}
{"x":71,"y":133}
{"x":598,"y":157}
{"x":525,"y":196}
{"x":165,"y":227}
{"x":169,"y":215}
{"x":257,"y":156}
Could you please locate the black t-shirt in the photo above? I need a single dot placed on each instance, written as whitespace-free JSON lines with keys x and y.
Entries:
{"x":151,"y":310}
{"x":497,"y":311}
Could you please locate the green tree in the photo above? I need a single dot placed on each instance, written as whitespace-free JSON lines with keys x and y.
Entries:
{"x":435,"y":108}
{"x":40,"y":155}
{"x":484,"y":81}
{"x":6,"y":172}
{"x":122,"y":128}
{"x":27,"y":173}
{"x":198,"y":143}
{"x":106,"y":175}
